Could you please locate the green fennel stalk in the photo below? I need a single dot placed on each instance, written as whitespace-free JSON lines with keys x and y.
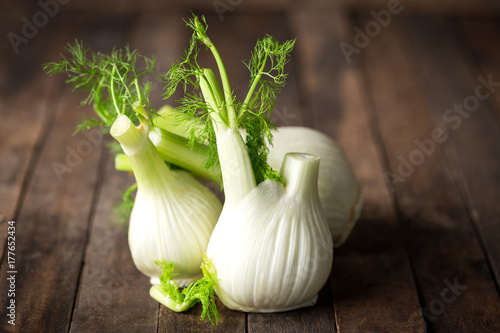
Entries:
{"x":113,"y":85}
{"x":220,"y":112}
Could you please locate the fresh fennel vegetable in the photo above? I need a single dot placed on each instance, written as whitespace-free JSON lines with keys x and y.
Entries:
{"x":271,"y":249}
{"x":340,"y":193}
{"x":173,"y":214}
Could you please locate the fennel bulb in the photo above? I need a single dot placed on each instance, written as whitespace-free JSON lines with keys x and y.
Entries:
{"x":272,"y":251}
{"x":339,"y":191}
{"x":173,"y":214}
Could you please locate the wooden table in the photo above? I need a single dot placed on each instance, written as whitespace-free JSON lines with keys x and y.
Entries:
{"x":413,"y":98}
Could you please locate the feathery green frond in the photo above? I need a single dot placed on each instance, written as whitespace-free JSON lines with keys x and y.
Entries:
{"x":252,"y":117}
{"x":169,"y":294}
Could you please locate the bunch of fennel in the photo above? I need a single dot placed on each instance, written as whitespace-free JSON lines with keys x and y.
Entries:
{"x":173,"y":215}
{"x":272,"y":232}
{"x":271,"y":249}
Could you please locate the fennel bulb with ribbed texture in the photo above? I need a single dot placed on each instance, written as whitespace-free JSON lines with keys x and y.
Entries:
{"x":173,"y":214}
{"x":339,"y":191}
{"x":272,"y":251}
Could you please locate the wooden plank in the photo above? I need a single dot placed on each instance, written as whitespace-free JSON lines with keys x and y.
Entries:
{"x":318,"y":318}
{"x":482,"y":36}
{"x":224,"y":8}
{"x":24,"y":97}
{"x":189,"y":321}
{"x":51,"y":227}
{"x":373,"y":287}
{"x":447,"y":258}
{"x":113,"y":296}
{"x":472,"y":149}
{"x":101,"y":32}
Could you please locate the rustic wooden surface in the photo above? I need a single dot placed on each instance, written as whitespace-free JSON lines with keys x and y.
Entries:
{"x":425,"y":255}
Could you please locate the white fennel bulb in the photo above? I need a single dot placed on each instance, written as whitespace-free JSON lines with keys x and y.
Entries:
{"x":272,"y":251}
{"x":339,"y":191}
{"x":173,"y":214}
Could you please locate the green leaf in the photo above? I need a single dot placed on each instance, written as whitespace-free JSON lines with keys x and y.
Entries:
{"x":111,"y":80}
{"x":123,"y":210}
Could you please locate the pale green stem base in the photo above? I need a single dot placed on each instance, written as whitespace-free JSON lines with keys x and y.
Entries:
{"x":157,"y":293}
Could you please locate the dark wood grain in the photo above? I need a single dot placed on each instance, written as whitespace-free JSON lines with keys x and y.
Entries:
{"x":482,"y":36}
{"x":473,"y":150}
{"x":442,"y":244}
{"x":318,"y":318}
{"x":113,"y":296}
{"x":373,"y":287}
{"x":189,"y":321}
{"x":52,"y":228}
{"x":25,"y":98}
